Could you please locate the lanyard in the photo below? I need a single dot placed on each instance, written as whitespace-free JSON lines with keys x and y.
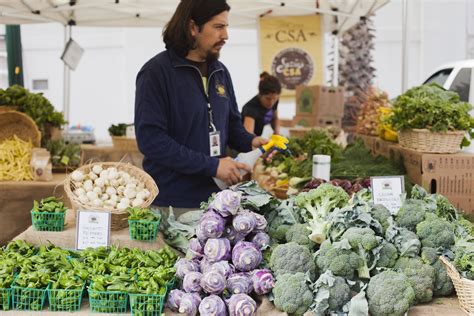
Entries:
{"x":212,"y":127}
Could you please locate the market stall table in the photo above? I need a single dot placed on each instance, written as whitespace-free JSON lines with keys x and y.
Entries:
{"x":93,"y":153}
{"x":67,"y":238}
{"x":16,"y":201}
{"x":438,"y":307}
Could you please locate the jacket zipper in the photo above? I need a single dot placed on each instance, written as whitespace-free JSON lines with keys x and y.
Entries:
{"x":206,"y":91}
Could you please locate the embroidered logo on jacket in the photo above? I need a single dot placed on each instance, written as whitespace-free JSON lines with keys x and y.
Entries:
{"x":220,"y":90}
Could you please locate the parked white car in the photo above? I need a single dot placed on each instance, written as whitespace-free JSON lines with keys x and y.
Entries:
{"x":459,"y":77}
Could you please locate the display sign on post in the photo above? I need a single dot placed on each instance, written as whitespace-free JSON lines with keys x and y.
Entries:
{"x":291,"y":49}
{"x":92,"y":229}
{"x":388,"y":191}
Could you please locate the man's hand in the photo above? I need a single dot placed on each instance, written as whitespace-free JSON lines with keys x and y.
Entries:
{"x":228,"y":170}
{"x":259,"y":141}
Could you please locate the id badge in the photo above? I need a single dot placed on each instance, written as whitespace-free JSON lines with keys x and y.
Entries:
{"x":215,"y":143}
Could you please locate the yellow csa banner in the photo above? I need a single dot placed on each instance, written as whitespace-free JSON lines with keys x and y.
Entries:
{"x":291,"y":48}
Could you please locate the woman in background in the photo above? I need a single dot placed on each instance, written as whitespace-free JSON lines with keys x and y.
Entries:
{"x":261,"y":110}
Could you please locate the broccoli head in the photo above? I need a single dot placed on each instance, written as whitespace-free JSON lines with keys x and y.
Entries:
{"x":292,"y":258}
{"x":411,"y":213}
{"x":420,"y":275}
{"x":443,"y":286}
{"x":381,"y":214}
{"x":388,"y":255}
{"x":292,"y":294}
{"x":466,"y":227}
{"x":316,"y":204}
{"x":362,"y":241}
{"x":338,"y":258}
{"x":435,"y":232}
{"x":277,"y":229}
{"x":331,"y":293}
{"x":298,"y":233}
{"x":390,"y":294}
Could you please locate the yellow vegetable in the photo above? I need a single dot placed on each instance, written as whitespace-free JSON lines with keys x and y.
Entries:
{"x":15,"y":156}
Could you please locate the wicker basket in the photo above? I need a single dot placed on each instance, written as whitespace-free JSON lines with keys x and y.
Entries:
{"x":19,"y":124}
{"x":119,"y":218}
{"x":423,"y":140}
{"x":464,"y":287}
{"x":125,"y":143}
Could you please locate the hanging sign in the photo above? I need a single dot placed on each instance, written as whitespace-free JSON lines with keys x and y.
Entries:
{"x":291,"y":49}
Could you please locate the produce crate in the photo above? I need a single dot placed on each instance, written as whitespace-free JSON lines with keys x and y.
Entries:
{"x":61,"y":300}
{"x":5,"y":297}
{"x":143,"y":230}
{"x":147,"y":304}
{"x":108,"y":302}
{"x":48,"y":221}
{"x":28,"y":299}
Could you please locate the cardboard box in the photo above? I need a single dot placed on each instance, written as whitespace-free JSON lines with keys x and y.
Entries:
{"x":321,"y":121}
{"x":319,"y":101}
{"x":451,"y":175}
{"x":286,"y":123}
{"x":382,"y":147}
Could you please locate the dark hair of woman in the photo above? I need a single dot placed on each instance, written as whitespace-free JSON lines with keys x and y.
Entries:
{"x":268,"y":84}
{"x":177,"y":33}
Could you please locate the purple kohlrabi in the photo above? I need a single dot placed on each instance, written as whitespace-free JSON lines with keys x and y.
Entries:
{"x":217,"y":249}
{"x":183,"y":266}
{"x":244,"y":222}
{"x":246,"y":256}
{"x":174,"y":299}
{"x":195,"y":249}
{"x":212,"y":305}
{"x":205,"y":265}
{"x":226,"y":203}
{"x":241,"y":305}
{"x":239,"y":283}
{"x":261,"y":222}
{"x":261,"y":240}
{"x":211,"y":225}
{"x":233,"y":236}
{"x":189,"y":304}
{"x":262,"y":281}
{"x":213,"y":282}
{"x":223,"y":267}
{"x":192,"y":282}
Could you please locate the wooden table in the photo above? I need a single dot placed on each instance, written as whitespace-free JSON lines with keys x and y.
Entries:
{"x":16,"y":201}
{"x":93,"y":153}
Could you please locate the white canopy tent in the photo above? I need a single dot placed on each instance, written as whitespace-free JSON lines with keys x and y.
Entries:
{"x":339,"y":15}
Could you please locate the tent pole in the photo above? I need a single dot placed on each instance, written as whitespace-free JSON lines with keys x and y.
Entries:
{"x":404,"y":45}
{"x":335,"y":75}
{"x":67,"y":78}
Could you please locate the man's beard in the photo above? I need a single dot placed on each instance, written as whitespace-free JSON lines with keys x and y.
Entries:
{"x":211,"y":57}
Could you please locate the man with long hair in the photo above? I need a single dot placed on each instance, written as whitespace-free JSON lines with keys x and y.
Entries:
{"x":184,"y":102}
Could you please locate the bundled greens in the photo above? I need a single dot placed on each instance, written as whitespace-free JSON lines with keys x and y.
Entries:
{"x":62,"y":154}
{"x":434,"y":108}
{"x":49,"y":205}
{"x":119,"y":129}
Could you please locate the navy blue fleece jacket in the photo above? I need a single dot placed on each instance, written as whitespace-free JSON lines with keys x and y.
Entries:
{"x":172,"y":126}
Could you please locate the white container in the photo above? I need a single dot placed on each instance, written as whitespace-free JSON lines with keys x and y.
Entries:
{"x":322,"y":167}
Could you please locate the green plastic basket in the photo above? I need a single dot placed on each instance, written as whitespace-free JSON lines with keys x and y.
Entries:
{"x":5,"y":297}
{"x":46,"y":221}
{"x":147,"y":304}
{"x":143,"y":230}
{"x":108,"y":302}
{"x":61,"y":300}
{"x":28,"y":299}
